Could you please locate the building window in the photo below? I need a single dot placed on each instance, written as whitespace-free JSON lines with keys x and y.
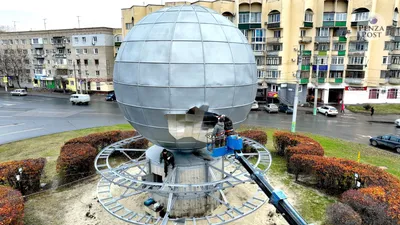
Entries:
{"x":274,"y":47}
{"x":339,"y":46}
{"x":355,"y":74}
{"x":336,"y":74}
{"x":340,"y":16}
{"x":86,"y":62}
{"x":329,"y":16}
{"x":255,"y":17}
{"x":71,"y":82}
{"x":49,"y":72}
{"x":360,"y":16}
{"x":274,"y":18}
{"x":245,"y":33}
{"x":277,"y":34}
{"x":322,"y":47}
{"x":321,"y":60}
{"x":128,"y":26}
{"x":258,"y":35}
{"x":84,"y":39}
{"x":95,"y":51}
{"x":87,"y":72}
{"x":35,"y":41}
{"x":303,"y":33}
{"x":70,"y":72}
{"x":323,"y":32}
{"x":392,"y":93}
{"x":94,"y":39}
{"x":338,"y":60}
{"x":27,"y":71}
{"x":356,"y":60}
{"x":274,"y":74}
{"x":78,"y":51}
{"x":98,"y":86}
{"x":260,"y":74}
{"x":76,"y":40}
{"x":385,"y":60}
{"x":98,"y":72}
{"x":384,"y":74}
{"x":96,"y":62}
{"x":23,"y":41}
{"x":258,"y":47}
{"x":44,"y":40}
{"x":85,"y":51}
{"x":69,"y":61}
{"x":308,"y":17}
{"x":373,"y":94}
{"x":260,"y":60}
{"x":244,"y":17}
{"x":274,"y":88}
{"x":274,"y":60}
{"x":78,"y":62}
{"x":358,"y":46}
{"x":16,"y":41}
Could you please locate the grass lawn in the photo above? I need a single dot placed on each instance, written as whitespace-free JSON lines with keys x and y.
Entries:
{"x":379,"y":108}
{"x":308,"y":201}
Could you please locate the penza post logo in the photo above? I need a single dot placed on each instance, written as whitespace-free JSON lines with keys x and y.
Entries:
{"x":374,"y":29}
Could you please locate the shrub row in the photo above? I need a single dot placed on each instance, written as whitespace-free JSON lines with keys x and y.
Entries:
{"x":257,"y":135}
{"x":288,"y":144}
{"x":377,"y":202}
{"x":32,"y":170}
{"x":11,"y":206}
{"x":78,"y":154}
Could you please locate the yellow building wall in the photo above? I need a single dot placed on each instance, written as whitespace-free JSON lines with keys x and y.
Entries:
{"x":71,"y":86}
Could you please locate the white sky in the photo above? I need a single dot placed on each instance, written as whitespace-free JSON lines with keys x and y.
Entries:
{"x":61,"y":14}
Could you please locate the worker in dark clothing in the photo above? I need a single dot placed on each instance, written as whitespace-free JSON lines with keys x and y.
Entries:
{"x":372,"y":111}
{"x":228,"y":125}
{"x":219,"y":133}
{"x":168,"y":158}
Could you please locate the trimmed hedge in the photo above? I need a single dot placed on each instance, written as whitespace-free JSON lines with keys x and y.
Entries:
{"x":379,"y":198}
{"x":11,"y":206}
{"x":339,"y":213}
{"x":257,"y":135}
{"x":32,"y":170}
{"x":77,"y":156}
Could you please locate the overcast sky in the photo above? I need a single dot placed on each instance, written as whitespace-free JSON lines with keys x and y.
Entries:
{"x":61,"y":14}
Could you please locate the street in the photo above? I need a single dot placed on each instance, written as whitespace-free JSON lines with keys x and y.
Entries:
{"x":32,"y":116}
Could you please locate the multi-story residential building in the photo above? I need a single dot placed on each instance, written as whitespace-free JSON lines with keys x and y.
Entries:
{"x":67,"y":59}
{"x":350,"y":50}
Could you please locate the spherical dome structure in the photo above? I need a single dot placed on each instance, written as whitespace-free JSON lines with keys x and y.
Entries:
{"x":178,"y":58}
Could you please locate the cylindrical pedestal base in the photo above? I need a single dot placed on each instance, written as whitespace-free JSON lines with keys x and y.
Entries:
{"x":189,"y":169}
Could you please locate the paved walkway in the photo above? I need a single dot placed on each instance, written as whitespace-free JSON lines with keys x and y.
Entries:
{"x":94,"y":97}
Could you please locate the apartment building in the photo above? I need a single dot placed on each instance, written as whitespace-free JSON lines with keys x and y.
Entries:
{"x":72,"y":59}
{"x":350,"y":50}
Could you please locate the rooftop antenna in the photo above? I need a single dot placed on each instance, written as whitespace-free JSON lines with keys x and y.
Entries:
{"x":44,"y":21}
{"x":79,"y":22}
{"x":15,"y":25}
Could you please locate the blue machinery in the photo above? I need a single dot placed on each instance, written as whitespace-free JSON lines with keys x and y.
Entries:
{"x":234,"y":145}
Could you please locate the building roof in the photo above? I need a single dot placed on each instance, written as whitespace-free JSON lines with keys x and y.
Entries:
{"x":54,"y":32}
{"x":166,"y":3}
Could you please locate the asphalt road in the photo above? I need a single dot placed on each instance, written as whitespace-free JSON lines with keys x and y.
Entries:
{"x":32,"y":116}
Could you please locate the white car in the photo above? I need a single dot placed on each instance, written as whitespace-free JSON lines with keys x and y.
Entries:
{"x":327,"y":110}
{"x":397,"y":122}
{"x":254,"y":106}
{"x":271,"y":108}
{"x":19,"y":92}
{"x":79,"y":99}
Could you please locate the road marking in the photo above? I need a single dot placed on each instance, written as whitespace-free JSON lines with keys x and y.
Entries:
{"x":22,"y":131}
{"x":12,"y":125}
{"x":364,"y":136}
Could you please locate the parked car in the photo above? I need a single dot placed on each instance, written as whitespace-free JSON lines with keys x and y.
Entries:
{"x":285,"y":108}
{"x":271,"y":108}
{"x":254,"y":106}
{"x":19,"y":92}
{"x":327,"y":110}
{"x":397,"y":122}
{"x":389,"y":141}
{"x":111,"y":97}
{"x":80,"y":99}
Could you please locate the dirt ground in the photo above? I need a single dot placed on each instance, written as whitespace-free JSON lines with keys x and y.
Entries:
{"x":78,"y":205}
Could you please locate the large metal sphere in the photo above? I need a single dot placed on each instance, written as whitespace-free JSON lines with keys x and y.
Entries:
{"x":178,"y":58}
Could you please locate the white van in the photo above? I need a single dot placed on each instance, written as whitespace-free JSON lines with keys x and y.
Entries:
{"x":79,"y":99}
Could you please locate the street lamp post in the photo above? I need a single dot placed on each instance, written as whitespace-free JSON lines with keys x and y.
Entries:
{"x":316,"y":90}
{"x":296,"y":95}
{"x":76,"y":84}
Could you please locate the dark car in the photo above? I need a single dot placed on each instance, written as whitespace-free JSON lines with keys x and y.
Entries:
{"x":111,"y":97}
{"x":389,"y":141}
{"x":285,"y":108}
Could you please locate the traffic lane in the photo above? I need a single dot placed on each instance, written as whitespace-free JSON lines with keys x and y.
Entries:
{"x":338,"y":127}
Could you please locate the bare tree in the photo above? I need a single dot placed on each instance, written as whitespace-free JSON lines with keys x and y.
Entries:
{"x":14,"y":63}
{"x":4,"y":28}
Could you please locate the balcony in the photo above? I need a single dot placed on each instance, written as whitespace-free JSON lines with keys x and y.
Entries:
{"x":359,"y":23}
{"x":354,"y":80}
{"x":341,"y":53}
{"x":355,"y":67}
{"x":322,"y":53}
{"x":273,"y":26}
{"x":357,"y":38}
{"x":37,"y":45}
{"x":321,"y":80}
{"x":304,"y":80}
{"x":342,"y":39}
{"x":59,"y":44}
{"x":321,"y":67}
{"x":335,"y":80}
{"x":320,"y":39}
{"x":308,"y":24}
{"x":395,"y":52}
{"x":272,"y":52}
{"x":258,"y":53}
{"x":273,"y":40}
{"x":39,"y":55}
{"x":250,"y":2}
{"x":328,"y":23}
{"x":61,"y":66}
{"x":396,"y":38}
{"x":117,"y":43}
{"x":335,"y":67}
{"x":38,"y":66}
{"x":305,"y":68}
{"x":340,"y":24}
{"x":60,"y":55}
{"x":306,"y":53}
{"x":249,"y":26}
{"x":394,"y":66}
{"x":394,"y":80}
{"x":305,"y":39}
